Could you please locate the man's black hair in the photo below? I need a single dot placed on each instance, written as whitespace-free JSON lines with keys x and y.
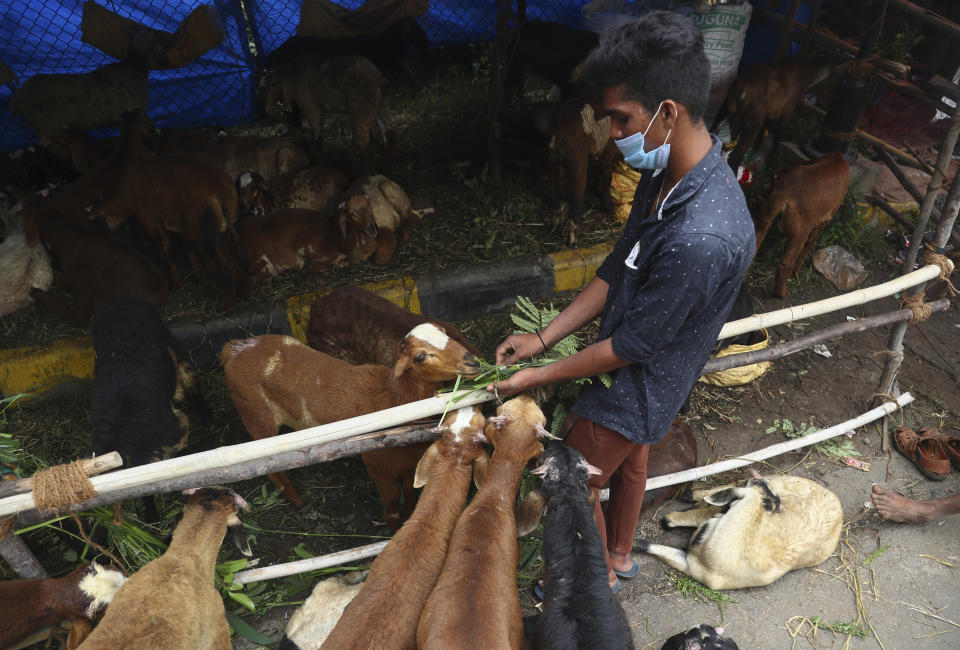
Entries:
{"x":658,"y":57}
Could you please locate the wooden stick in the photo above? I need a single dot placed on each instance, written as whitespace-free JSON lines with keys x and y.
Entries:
{"x":878,"y":201}
{"x":916,"y":154}
{"x":215,"y":461}
{"x":835,"y":331}
{"x":90,"y":467}
{"x":934,"y":20}
{"x":907,"y":184}
{"x":844,"y":300}
{"x":309,"y":564}
{"x":16,"y":554}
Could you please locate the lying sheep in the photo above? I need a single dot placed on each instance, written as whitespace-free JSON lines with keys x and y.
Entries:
{"x":403,"y":575}
{"x":172,"y":602}
{"x":318,"y":187}
{"x":342,"y":84}
{"x":276,"y":380}
{"x":579,"y":610}
{"x":391,"y":210}
{"x":751,"y":534}
{"x":311,"y":240}
{"x":80,"y":596}
{"x":313,"y":621}
{"x":702,"y":637}
{"x":22,"y":267}
{"x":474,"y":603}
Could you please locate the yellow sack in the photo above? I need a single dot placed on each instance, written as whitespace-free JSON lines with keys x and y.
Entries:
{"x":744,"y":374}
{"x":623,"y":185}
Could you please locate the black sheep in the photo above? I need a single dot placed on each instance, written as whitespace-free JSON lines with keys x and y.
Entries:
{"x":702,"y":637}
{"x":579,"y":609}
{"x":141,"y":378}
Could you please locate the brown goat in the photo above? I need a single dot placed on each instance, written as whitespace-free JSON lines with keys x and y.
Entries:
{"x":276,"y":380}
{"x":806,"y":196}
{"x":475,"y":603}
{"x":305,"y":239}
{"x":578,"y":131}
{"x":391,"y":210}
{"x":188,"y":196}
{"x":172,"y":602}
{"x":404,"y":574}
{"x":766,"y":94}
{"x":269,"y":157}
{"x":318,"y":187}
{"x":93,"y":267}
{"x":359,"y":326}
{"x":28,"y":605}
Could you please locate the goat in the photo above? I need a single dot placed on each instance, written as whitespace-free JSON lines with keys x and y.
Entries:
{"x":318,"y":187}
{"x":474,"y":603}
{"x":579,"y":610}
{"x":675,"y":452}
{"x":766,"y":94}
{"x":22,"y":268}
{"x":391,"y":210}
{"x":92,"y":266}
{"x":751,"y":534}
{"x":385,"y":49}
{"x":702,"y":637}
{"x":313,"y":621}
{"x":29,"y":605}
{"x":188,"y":196}
{"x":404,"y":573}
{"x":342,"y":84}
{"x":268,"y":157}
{"x":172,"y":602}
{"x":90,"y":100}
{"x":578,"y":131}
{"x":142,"y":378}
{"x":550,"y":50}
{"x":306,"y":239}
{"x":359,"y":326}
{"x":806,"y":196}
{"x":276,"y":380}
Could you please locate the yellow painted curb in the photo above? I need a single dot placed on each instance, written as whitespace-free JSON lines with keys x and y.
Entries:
{"x":574,"y":269}
{"x":38,"y":368}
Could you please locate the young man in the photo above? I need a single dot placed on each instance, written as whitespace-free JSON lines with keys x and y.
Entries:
{"x":667,"y":287}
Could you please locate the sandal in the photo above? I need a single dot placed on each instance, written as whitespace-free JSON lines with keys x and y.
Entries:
{"x":951,"y":447}
{"x":924,"y":449}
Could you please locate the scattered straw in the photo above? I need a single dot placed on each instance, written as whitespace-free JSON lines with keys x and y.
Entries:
{"x":939,"y":561}
{"x":929,"y":612}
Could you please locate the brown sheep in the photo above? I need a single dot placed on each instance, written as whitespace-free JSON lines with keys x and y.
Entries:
{"x":276,"y":380}
{"x":806,"y":196}
{"x":391,"y":210}
{"x":172,"y":602}
{"x":474,"y":603}
{"x":404,"y":573}
{"x":306,"y":239}
{"x":750,"y":534}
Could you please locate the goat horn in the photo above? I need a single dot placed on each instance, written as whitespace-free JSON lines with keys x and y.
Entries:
{"x":540,"y":471}
{"x":755,"y":474}
{"x":240,"y":502}
{"x":481,"y":437}
{"x":498,"y":420}
{"x":543,"y":433}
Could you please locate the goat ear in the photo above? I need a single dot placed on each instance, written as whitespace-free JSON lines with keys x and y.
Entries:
{"x":480,"y":465}
{"x":425,"y":465}
{"x":722,"y":498}
{"x":529,"y":513}
{"x":402,"y":364}
{"x":238,"y":536}
{"x":342,"y":222}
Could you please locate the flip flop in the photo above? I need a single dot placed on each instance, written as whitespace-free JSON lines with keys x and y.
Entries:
{"x":924,"y":449}
{"x":538,"y":590}
{"x":632,"y":571}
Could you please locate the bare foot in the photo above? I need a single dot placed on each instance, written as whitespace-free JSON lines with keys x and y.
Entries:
{"x":895,"y":507}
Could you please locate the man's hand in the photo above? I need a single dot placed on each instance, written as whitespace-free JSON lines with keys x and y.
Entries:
{"x":518,"y":347}
{"x":518,"y":382}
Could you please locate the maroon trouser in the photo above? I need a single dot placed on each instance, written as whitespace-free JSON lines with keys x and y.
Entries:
{"x":624,"y":465}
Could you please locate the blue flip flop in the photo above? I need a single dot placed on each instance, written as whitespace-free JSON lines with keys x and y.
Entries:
{"x":538,"y":591}
{"x":628,"y":574}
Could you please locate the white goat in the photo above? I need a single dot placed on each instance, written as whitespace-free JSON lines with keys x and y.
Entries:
{"x":21,"y":268}
{"x":751,"y":534}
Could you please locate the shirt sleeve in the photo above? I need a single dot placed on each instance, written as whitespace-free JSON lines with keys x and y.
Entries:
{"x":686,"y":274}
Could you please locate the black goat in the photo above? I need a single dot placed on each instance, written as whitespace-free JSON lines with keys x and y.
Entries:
{"x":141,"y":378}
{"x":386,"y":49}
{"x":702,"y":637}
{"x":550,"y":50}
{"x":579,"y":609}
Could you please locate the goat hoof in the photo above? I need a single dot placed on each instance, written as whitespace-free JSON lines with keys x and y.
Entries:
{"x":665,"y":523}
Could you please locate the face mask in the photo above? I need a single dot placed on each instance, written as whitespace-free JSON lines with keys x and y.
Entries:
{"x":636,"y":157}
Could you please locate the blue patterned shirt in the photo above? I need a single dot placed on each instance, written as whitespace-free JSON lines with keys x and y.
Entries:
{"x":673,"y":276}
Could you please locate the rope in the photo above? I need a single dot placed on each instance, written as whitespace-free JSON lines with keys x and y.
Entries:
{"x":920,"y":309}
{"x":61,"y":487}
{"x":929,"y":255}
{"x":92,"y":543}
{"x":887,"y":397}
{"x":6,"y":527}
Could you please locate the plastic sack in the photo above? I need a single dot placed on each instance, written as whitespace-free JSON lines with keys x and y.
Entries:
{"x":623,"y":186}
{"x":724,"y":28}
{"x":744,"y":374}
{"x":840,"y":267}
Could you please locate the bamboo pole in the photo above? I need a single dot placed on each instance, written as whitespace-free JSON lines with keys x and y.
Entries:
{"x":90,"y":467}
{"x":925,"y":15}
{"x":165,"y":472}
{"x":903,"y":221}
{"x":895,"y":342}
{"x":853,"y":298}
{"x":23,"y":562}
{"x":802,"y":343}
{"x":309,"y":564}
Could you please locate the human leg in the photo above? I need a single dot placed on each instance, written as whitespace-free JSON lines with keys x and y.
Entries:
{"x":896,"y":507}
